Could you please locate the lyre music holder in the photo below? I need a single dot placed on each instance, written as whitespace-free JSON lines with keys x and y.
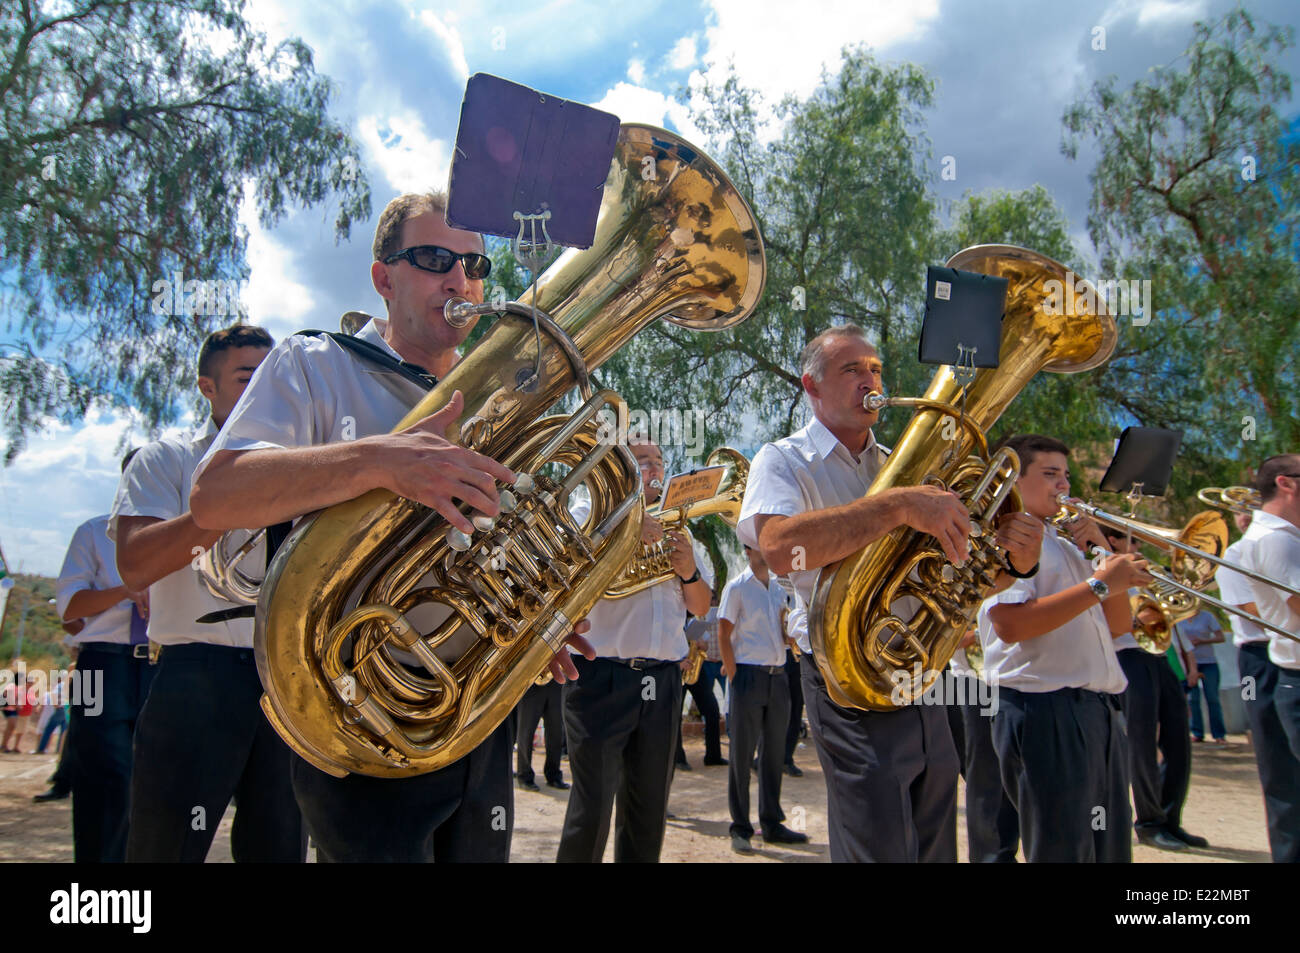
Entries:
{"x":1142,"y":464}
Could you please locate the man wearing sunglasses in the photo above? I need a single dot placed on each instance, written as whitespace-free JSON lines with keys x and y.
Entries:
{"x":313,"y":430}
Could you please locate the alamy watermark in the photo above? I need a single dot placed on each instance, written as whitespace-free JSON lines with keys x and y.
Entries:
{"x":666,"y":427}
{"x":1121,"y":297}
{"x":947,"y":688}
{"x":80,"y":689}
{"x":218,"y":297}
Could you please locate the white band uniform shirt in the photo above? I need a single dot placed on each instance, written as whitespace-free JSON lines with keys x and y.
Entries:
{"x":1234,"y":589}
{"x":754,"y":610}
{"x":1078,"y":654}
{"x":91,"y":563}
{"x":1274,"y":551}
{"x":809,"y":470}
{"x":157,"y":484}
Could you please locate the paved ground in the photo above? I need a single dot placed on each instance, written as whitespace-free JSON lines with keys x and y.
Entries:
{"x":1224,"y":805}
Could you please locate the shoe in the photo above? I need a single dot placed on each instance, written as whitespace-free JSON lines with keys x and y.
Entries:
{"x":53,"y":794}
{"x":528,"y":785}
{"x":1197,"y":738}
{"x":683,"y":766}
{"x":741,"y":845}
{"x":1191,"y":840}
{"x":1161,"y":839}
{"x":1220,"y":741}
{"x":559,"y":784}
{"x":792,"y":769}
{"x":715,"y":762}
{"x":783,"y":835}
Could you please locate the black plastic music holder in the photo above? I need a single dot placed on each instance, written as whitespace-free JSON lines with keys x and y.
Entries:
{"x":522,"y":153}
{"x":1143,"y":461}
{"x":963,"y":320}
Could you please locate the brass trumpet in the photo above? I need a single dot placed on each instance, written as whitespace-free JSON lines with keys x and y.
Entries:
{"x":694,"y":663}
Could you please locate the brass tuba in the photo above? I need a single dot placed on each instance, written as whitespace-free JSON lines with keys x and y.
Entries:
{"x":221,"y":566}
{"x":885,"y":621}
{"x":390,"y":644}
{"x":695,"y":657}
{"x":651,"y":564}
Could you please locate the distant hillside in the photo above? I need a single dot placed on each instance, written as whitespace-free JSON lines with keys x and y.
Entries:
{"x":42,"y":635}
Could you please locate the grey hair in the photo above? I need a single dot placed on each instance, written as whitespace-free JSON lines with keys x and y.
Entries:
{"x":813,"y":359}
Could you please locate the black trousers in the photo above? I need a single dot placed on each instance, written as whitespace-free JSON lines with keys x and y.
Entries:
{"x":463,"y":813}
{"x":891,"y":778}
{"x":202,"y":740}
{"x":1064,"y":761}
{"x":1155,"y":710}
{"x":992,"y":824}
{"x":621,"y":725}
{"x":98,"y":749}
{"x":544,"y":703}
{"x":795,"y":680}
{"x":757,"y":719}
{"x":1279,"y":768}
{"x":707,"y":703}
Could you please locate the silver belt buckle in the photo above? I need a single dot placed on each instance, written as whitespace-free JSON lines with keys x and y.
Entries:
{"x":140,"y":650}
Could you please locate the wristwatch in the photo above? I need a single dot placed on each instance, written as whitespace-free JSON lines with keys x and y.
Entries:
{"x":1099,"y":588}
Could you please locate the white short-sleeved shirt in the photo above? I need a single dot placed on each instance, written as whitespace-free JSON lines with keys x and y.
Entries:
{"x":754,"y":610}
{"x":1079,"y":654}
{"x":1274,"y":551}
{"x":647,"y":624}
{"x":1127,"y":640}
{"x":157,"y":484}
{"x":1234,"y":589}
{"x":91,"y":563}
{"x":809,"y":470}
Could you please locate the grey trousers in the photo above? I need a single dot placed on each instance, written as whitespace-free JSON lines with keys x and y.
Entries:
{"x":757,"y":721}
{"x":891,"y":778}
{"x":992,"y":824}
{"x":1279,"y":769}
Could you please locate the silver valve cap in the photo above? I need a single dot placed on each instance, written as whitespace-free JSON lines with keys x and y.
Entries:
{"x":524,"y":483}
{"x":458,"y":540}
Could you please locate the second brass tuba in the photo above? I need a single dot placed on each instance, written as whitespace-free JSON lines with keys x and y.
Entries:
{"x":390,"y":646}
{"x":885,"y":621}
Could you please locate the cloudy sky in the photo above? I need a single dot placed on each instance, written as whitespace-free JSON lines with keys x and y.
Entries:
{"x":1005,"y":71}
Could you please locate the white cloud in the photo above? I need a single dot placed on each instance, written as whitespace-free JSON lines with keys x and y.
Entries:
{"x":1155,"y":14}
{"x":638,"y":104}
{"x":274,"y":300}
{"x":636,"y":72}
{"x":683,"y":53}
{"x":408,"y":157}
{"x":450,"y":38}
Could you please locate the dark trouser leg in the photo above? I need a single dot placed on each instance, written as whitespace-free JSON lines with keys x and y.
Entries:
{"x":1287,"y":699}
{"x":1175,"y":743}
{"x":1141,"y":704}
{"x":55,"y":723}
{"x":1210,"y":682}
{"x":462,"y":813}
{"x":771,"y":751}
{"x":200,"y":730}
{"x":529,"y":713}
{"x":891,"y":778}
{"x":1194,"y":710}
{"x":956,"y":724}
{"x":707,"y":703}
{"x":992,"y":824}
{"x":553,"y":731}
{"x":795,"y":682}
{"x":648,"y":769}
{"x":744,"y":727}
{"x":1279,"y":768}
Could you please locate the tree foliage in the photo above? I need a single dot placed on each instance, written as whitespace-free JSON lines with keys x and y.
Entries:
{"x":129,"y":132}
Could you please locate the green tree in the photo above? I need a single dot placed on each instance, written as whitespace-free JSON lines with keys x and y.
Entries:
{"x":1195,"y":190}
{"x":128,"y":133}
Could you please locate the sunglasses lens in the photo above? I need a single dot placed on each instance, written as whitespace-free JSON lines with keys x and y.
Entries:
{"x":432,"y":258}
{"x":477,"y":266}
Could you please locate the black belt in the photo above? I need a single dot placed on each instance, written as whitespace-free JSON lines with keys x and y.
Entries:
{"x":638,"y":664}
{"x":1076,"y":694}
{"x":140,"y":650}
{"x":768,"y":669}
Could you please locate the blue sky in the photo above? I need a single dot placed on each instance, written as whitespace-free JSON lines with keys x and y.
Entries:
{"x":1005,"y":71}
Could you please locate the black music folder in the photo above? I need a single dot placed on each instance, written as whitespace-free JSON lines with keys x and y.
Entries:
{"x":962,"y":308}
{"x":1145,"y":456}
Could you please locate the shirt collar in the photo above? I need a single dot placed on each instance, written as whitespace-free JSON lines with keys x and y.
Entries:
{"x":206,"y":432}
{"x":373,"y":333}
{"x":825,"y":442}
{"x":1267,"y":523}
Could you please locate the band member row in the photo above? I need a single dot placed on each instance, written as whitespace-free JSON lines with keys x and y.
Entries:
{"x":891,"y":776}
{"x":622,"y":715}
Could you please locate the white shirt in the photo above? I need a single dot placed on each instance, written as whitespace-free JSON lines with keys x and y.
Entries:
{"x":91,"y":563}
{"x":647,"y":624}
{"x":1127,"y":640}
{"x":157,"y":484}
{"x":1274,"y":551}
{"x":1079,"y":654}
{"x":754,"y":610}
{"x":809,"y":470}
{"x":1234,"y":589}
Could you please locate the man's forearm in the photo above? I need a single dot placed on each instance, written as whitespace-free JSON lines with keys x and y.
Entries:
{"x":697,"y":595}
{"x":149,"y":549}
{"x":90,"y":602}
{"x":250,"y":489}
{"x":1017,"y":622}
{"x":820,"y":537}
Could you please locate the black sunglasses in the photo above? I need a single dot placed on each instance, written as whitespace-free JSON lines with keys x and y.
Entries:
{"x":440,"y":260}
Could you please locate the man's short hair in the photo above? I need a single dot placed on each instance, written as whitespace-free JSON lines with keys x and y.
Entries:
{"x":388,"y":233}
{"x":813,"y":359}
{"x":1029,"y":445}
{"x":238,"y":335}
{"x":1284,"y":464}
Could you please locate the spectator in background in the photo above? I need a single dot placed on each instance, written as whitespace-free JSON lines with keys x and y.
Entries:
{"x":1199,"y":635}
{"x":706,"y":629}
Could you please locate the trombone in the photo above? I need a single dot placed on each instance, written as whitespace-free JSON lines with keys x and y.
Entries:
{"x":1165,"y":584}
{"x":1235,"y":499}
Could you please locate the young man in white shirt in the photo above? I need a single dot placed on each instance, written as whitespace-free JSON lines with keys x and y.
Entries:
{"x":1047,"y":642}
{"x":891,"y":777}
{"x":752,"y":640}
{"x":621,"y":717}
{"x":1279,"y":768}
{"x":202,"y":738}
{"x":116,"y":668}
{"x":312,"y":430}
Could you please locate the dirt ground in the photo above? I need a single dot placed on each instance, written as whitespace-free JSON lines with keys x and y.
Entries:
{"x":1224,"y":805}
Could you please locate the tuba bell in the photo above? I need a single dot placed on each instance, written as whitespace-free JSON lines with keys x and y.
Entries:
{"x":885,"y":620}
{"x":390,"y":644}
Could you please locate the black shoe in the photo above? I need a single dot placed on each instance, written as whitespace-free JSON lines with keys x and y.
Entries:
{"x":528,"y":784}
{"x":1161,"y":839}
{"x":740,"y":844}
{"x":559,"y":784}
{"x":715,"y":762}
{"x":1191,"y":840}
{"x":683,"y":766}
{"x":783,"y":835}
{"x":53,"y":794}
{"x":792,"y":769}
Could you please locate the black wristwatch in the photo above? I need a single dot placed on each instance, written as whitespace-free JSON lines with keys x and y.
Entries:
{"x":695,"y":577}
